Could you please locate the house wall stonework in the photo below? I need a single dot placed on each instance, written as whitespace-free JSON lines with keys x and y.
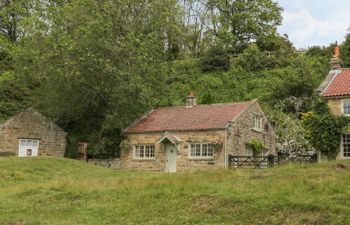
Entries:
{"x":183,"y":161}
{"x":241,"y":132}
{"x":335,"y":105}
{"x":31,"y":125}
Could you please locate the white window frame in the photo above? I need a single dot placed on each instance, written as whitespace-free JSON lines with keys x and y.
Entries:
{"x":144,"y":149}
{"x":28,"y":142}
{"x":202,"y":149}
{"x":343,"y":147}
{"x":343,"y":102}
{"x":258,"y":123}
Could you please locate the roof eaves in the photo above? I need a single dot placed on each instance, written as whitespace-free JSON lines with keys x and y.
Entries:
{"x":240,"y":115}
{"x":125,"y":131}
{"x":182,"y":130}
{"x":328,"y":81}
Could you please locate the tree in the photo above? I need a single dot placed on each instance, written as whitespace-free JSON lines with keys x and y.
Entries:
{"x":239,"y":22}
{"x":97,"y":71}
{"x":292,"y":141}
{"x":215,"y":59}
{"x":345,"y":54}
{"x":12,"y":13}
{"x":324,"y":129}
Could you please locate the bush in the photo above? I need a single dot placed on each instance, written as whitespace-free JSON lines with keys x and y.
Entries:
{"x":215,"y":59}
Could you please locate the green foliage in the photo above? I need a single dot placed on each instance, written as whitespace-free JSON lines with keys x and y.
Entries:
{"x":324,"y":130}
{"x":256,"y":146}
{"x":240,"y":22}
{"x":12,"y":13}
{"x":215,"y":59}
{"x":94,"y":73}
{"x":345,"y":51}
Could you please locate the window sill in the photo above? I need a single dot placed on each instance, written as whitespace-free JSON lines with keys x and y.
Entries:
{"x":201,"y":159}
{"x":256,"y":130}
{"x":143,"y":160}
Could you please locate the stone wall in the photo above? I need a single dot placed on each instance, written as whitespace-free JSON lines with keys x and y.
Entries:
{"x":241,"y":132}
{"x":183,"y":161}
{"x":335,"y":106}
{"x":109,"y":163}
{"x":32,"y":125}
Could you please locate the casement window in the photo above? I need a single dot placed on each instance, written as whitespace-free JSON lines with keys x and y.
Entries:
{"x":257,"y":123}
{"x":346,"y":145}
{"x":144,"y":151}
{"x":28,"y":142}
{"x":346,"y":107}
{"x":201,"y":150}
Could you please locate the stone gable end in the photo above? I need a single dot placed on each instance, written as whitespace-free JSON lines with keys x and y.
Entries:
{"x":242,"y":131}
{"x":30,"y":124}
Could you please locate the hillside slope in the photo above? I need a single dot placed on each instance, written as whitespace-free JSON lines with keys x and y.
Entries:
{"x":63,"y":191}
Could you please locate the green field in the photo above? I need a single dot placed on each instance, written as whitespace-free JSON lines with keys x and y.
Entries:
{"x":63,"y":191}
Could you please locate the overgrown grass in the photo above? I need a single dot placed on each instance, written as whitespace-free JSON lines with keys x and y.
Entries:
{"x":63,"y":191}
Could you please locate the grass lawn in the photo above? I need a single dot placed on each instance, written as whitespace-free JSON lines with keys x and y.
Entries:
{"x":63,"y":191}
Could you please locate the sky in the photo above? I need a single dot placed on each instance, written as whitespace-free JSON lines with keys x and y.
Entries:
{"x":315,"y":22}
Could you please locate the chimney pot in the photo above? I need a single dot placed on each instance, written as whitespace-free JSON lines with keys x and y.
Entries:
{"x":336,"y":62}
{"x":191,"y":100}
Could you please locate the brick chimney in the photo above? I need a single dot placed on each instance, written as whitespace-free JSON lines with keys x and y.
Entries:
{"x":336,"y":62}
{"x":191,"y":100}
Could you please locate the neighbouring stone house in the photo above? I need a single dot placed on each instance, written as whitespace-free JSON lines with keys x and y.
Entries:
{"x":31,"y":134}
{"x":336,"y":90}
{"x":195,"y":136}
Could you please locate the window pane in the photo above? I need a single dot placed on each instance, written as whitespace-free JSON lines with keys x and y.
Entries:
{"x":23,"y":142}
{"x":205,"y":150}
{"x":198,"y":149}
{"x":151,"y":154}
{"x":144,"y":151}
{"x":29,"y":142}
{"x":257,"y":122}
{"x":210,"y":150}
{"x":35,"y":143}
{"x":201,"y":150}
{"x":346,"y":107}
{"x":193,"y":150}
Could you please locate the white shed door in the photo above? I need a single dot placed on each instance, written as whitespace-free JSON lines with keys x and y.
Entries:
{"x":28,"y":147}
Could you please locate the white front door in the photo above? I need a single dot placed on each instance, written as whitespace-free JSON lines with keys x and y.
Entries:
{"x":28,"y":147}
{"x":171,"y":153}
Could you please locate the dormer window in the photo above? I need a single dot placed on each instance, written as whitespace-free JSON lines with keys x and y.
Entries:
{"x":346,"y":107}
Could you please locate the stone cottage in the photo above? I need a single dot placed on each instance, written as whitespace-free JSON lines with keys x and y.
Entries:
{"x":195,"y":136}
{"x":31,"y":134}
{"x":336,"y":90}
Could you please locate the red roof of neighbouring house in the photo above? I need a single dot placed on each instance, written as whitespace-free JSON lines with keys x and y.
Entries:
{"x":181,"y":118}
{"x":337,"y":84}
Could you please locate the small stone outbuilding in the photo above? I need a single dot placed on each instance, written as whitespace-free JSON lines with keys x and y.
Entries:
{"x":195,"y":136}
{"x":31,"y":134}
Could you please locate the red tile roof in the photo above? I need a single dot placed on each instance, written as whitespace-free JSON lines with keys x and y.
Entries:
{"x":339,"y":85}
{"x":180,"y":118}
